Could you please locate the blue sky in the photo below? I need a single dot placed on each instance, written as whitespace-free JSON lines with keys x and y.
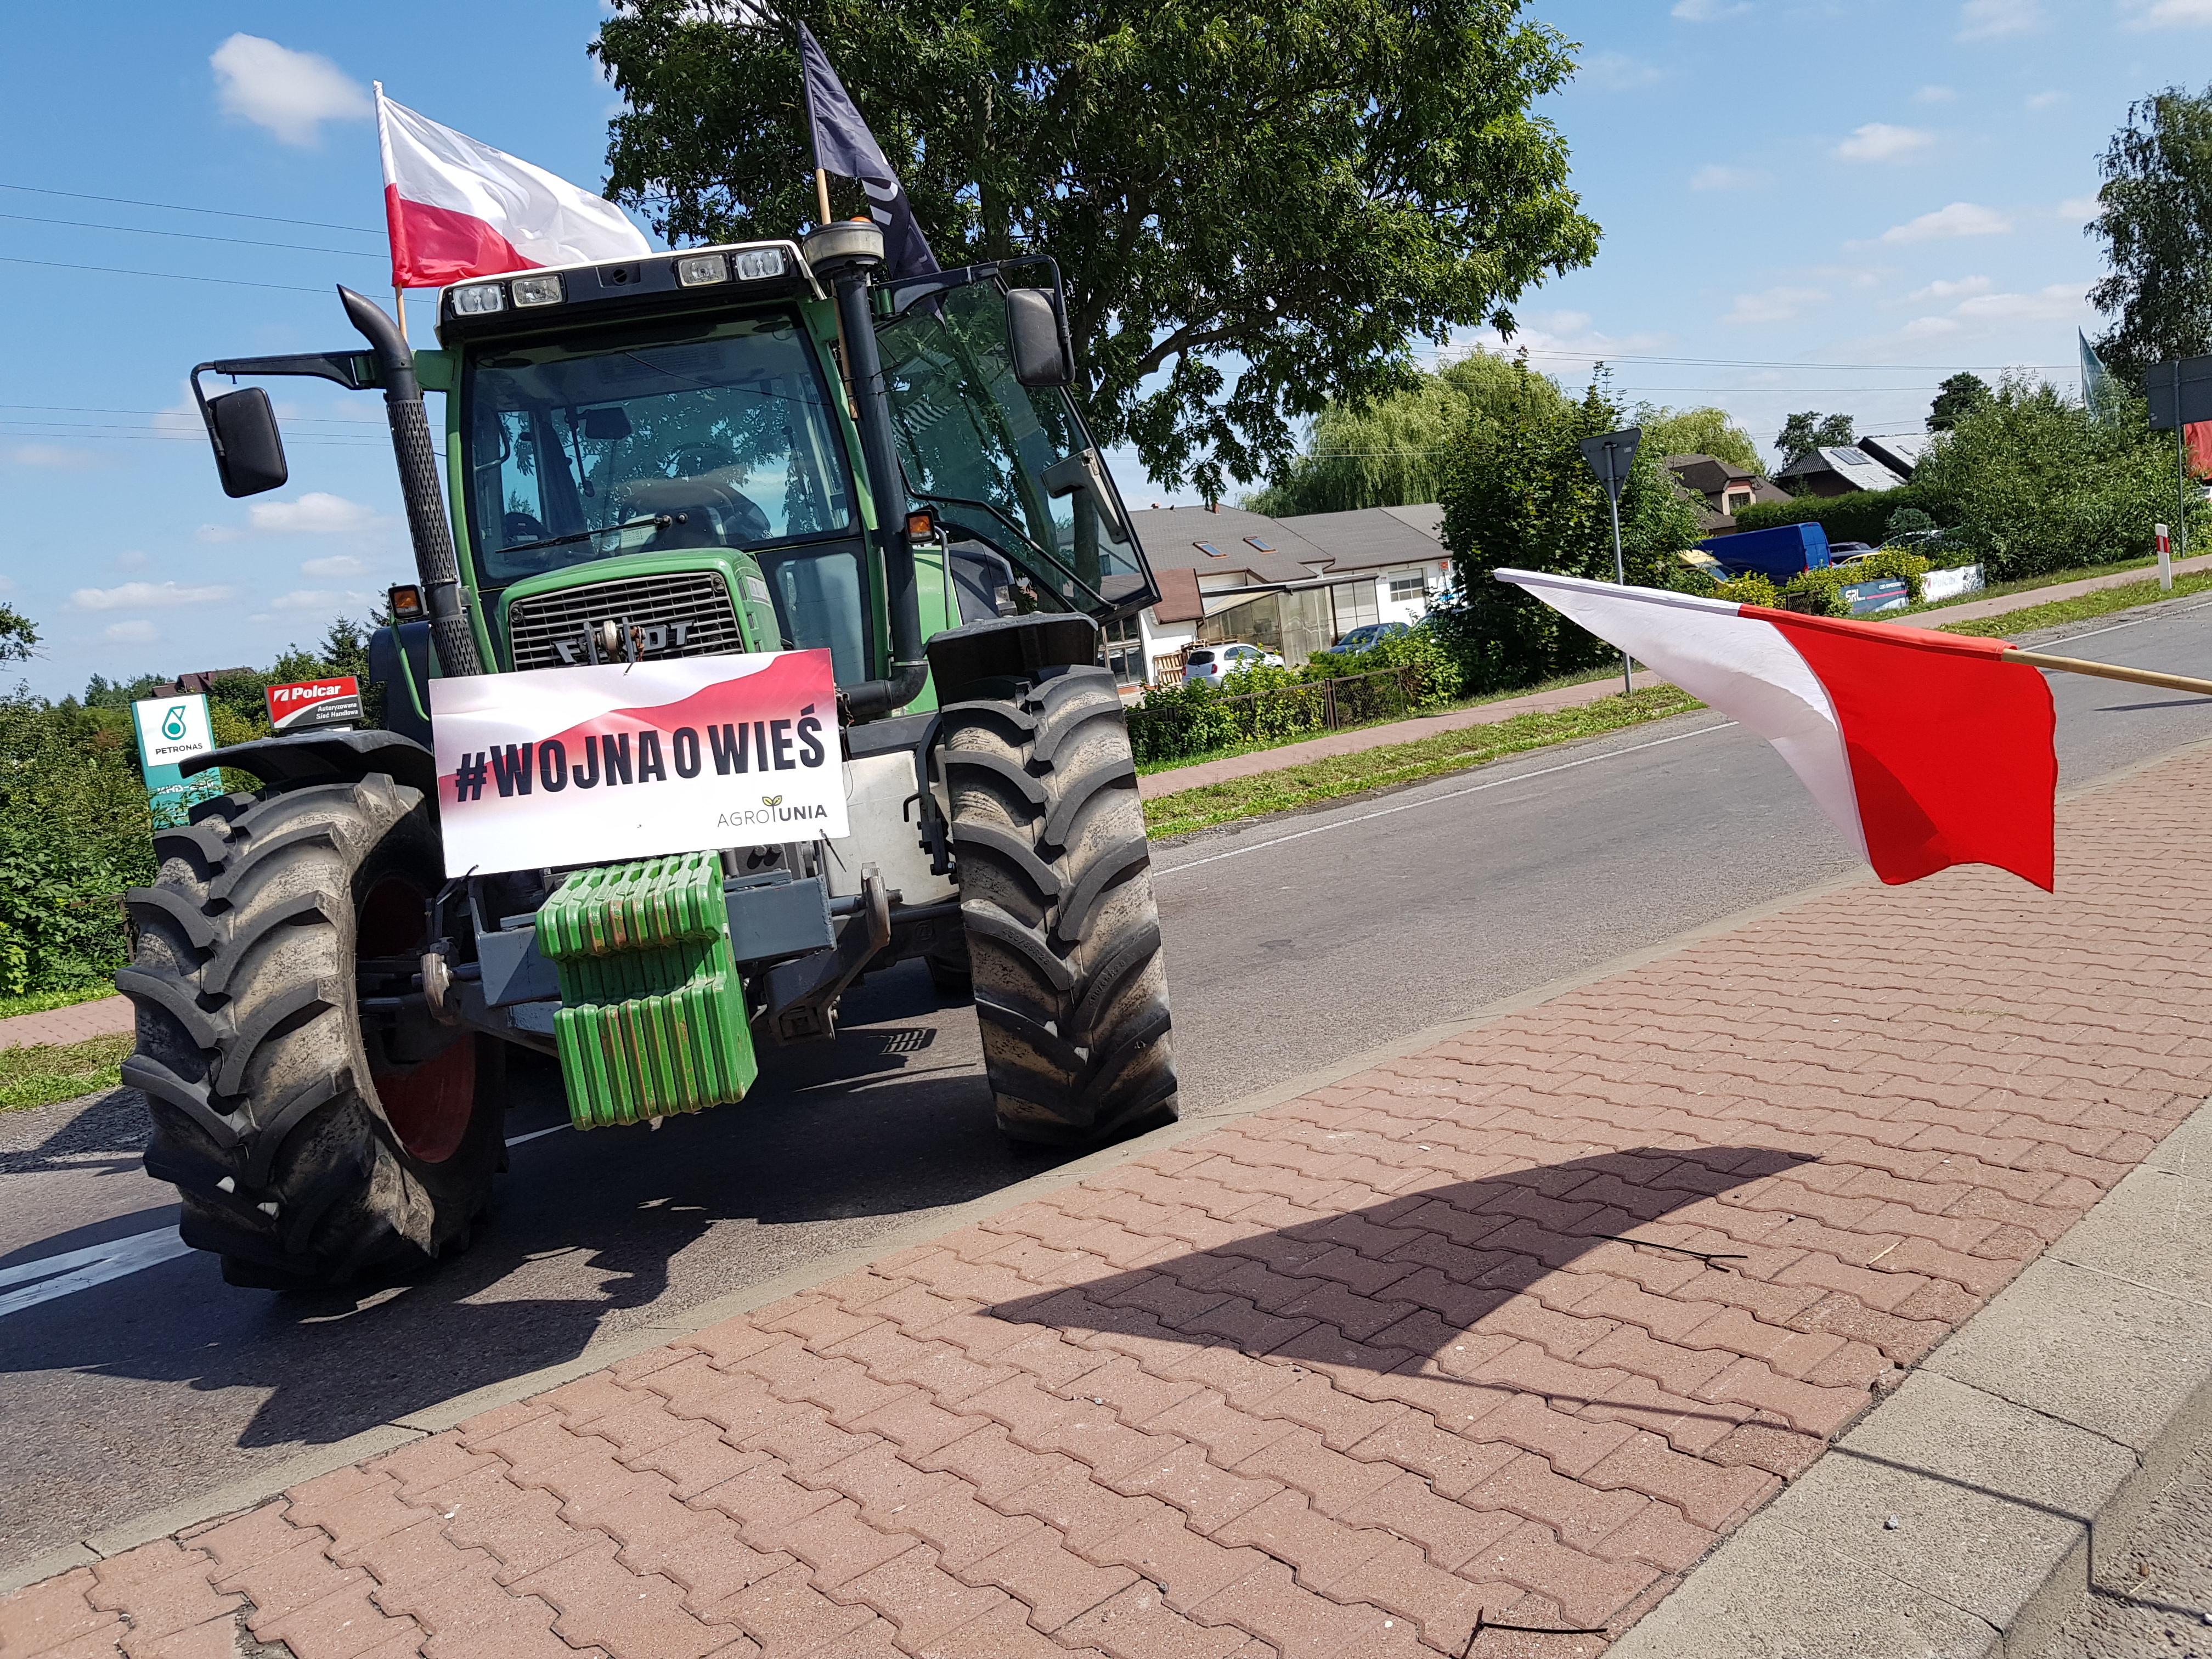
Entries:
{"x":1822,"y":206}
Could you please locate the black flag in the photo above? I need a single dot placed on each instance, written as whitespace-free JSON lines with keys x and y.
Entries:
{"x":843,"y":145}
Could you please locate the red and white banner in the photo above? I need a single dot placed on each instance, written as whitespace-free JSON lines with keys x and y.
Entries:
{"x":307,"y":703}
{"x":1923,"y":748}
{"x":610,"y":761}
{"x":458,"y":208}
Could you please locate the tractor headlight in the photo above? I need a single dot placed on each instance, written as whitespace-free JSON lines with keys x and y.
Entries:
{"x":538,"y":291}
{"x":756,"y":263}
{"x":697,"y":269}
{"x":480,"y":300}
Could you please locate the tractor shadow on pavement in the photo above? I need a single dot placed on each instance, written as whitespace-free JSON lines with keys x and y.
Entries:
{"x":1406,"y":1286}
{"x":594,"y":1234}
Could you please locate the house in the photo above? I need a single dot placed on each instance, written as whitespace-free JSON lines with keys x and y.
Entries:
{"x":1903,"y":453}
{"x":1837,"y":470}
{"x":1719,"y":489}
{"x":1295,"y":585}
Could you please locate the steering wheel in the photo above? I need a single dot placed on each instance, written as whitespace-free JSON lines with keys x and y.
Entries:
{"x":694,"y":459}
{"x":515,"y":528}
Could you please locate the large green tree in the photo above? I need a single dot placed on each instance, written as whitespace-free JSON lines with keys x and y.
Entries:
{"x":1703,"y":431}
{"x":1524,"y":497}
{"x":1803,"y":434}
{"x":1958,"y":395}
{"x":2155,"y":217}
{"x":1258,"y":207}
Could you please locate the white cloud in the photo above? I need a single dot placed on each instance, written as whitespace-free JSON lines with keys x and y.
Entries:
{"x":1773,"y":305}
{"x":316,"y":599}
{"x":1922,"y":328}
{"x":2079,"y":207}
{"x":1959,"y":219}
{"x":340,"y":564}
{"x":136,"y":595}
{"x":58,"y":456}
{"x":315,"y":514}
{"x":2059,"y":302}
{"x":1990,"y":19}
{"x":1877,"y":140}
{"x":1709,"y":11}
{"x":1717,"y":176}
{"x":140,"y":632}
{"x":1940,"y":289}
{"x":290,"y":92}
{"x":1557,"y":342}
{"x":1934,"y":96}
{"x":2169,"y":13}
{"x":1614,"y":71}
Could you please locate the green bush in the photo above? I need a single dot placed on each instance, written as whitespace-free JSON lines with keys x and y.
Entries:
{"x":1862,"y":516}
{"x":1750,"y":588}
{"x":2039,"y":483}
{"x":1524,"y":497}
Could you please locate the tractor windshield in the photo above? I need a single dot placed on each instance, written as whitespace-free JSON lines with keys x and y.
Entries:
{"x":603,"y":445}
{"x":1001,"y":460}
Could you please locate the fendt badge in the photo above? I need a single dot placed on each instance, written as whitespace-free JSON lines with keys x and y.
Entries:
{"x":616,"y":641}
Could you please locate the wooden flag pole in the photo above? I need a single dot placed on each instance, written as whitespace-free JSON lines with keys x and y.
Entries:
{"x":822,"y":192}
{"x":2105,"y":670}
{"x":399,"y":305}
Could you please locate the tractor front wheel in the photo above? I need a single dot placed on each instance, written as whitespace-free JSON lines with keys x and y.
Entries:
{"x":1056,"y":903}
{"x":314,"y":1119}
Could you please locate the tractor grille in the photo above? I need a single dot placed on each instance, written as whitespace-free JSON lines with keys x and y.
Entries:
{"x":685,"y":615}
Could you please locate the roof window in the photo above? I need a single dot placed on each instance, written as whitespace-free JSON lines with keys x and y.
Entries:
{"x":1209,"y":550}
{"x":1255,"y":542}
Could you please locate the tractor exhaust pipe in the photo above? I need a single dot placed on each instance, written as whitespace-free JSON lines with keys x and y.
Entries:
{"x":848,"y":253}
{"x":435,"y":562}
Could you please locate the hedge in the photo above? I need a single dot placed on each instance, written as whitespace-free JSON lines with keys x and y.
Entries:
{"x":1859,"y":516}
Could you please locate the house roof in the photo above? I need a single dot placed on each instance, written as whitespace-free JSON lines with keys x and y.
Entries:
{"x":1707,"y":474}
{"x":1901,"y":453}
{"x":1848,"y":462}
{"x":1292,"y":549}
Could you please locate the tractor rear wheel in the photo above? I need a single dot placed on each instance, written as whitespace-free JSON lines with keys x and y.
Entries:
{"x":1056,"y":903}
{"x":309,"y":1137}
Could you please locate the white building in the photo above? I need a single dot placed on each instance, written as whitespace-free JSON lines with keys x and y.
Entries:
{"x":1295,"y":585}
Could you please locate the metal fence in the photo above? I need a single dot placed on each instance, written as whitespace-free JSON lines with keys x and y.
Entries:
{"x":1194,"y":719}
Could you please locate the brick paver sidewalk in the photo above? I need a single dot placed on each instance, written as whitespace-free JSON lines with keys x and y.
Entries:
{"x":1331,"y":1379}
{"x":75,"y":1024}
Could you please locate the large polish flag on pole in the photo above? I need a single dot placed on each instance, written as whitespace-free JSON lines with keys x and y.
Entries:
{"x":1923,"y":748}
{"x":458,"y":208}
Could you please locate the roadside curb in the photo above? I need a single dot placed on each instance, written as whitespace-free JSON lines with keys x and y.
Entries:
{"x":1965,"y":1516}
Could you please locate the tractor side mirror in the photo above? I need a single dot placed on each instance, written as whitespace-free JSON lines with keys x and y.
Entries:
{"x":249,"y":454}
{"x":1038,"y":337}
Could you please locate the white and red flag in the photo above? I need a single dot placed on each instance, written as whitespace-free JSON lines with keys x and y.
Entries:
{"x":458,"y":208}
{"x":1923,"y":748}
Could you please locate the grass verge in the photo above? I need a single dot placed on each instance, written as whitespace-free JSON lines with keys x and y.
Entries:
{"x":39,"y":1002}
{"x":2059,"y":612}
{"x":40,"y":1073}
{"x":1317,"y":780}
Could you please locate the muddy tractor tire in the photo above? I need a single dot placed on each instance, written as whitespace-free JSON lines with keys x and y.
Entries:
{"x":315,"y":1121}
{"x":1056,"y":905}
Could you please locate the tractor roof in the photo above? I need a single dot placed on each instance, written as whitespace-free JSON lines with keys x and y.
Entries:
{"x":724,"y":276}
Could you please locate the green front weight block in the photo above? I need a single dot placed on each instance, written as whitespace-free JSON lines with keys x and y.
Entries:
{"x":652,"y":1021}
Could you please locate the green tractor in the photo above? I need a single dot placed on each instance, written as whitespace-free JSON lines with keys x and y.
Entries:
{"x":759,"y":448}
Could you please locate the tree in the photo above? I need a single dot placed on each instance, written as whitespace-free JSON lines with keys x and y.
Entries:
{"x":1706,"y":431}
{"x":1399,"y":450}
{"x":2039,"y":483}
{"x":2155,"y":217}
{"x":1959,"y":395}
{"x":1803,"y":434}
{"x":1257,"y":210}
{"x":18,"y":637}
{"x":1523,"y":496}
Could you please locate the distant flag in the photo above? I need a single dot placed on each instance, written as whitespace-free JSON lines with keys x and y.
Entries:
{"x":843,"y":145}
{"x":458,"y":209}
{"x":2098,"y":389}
{"x":1923,"y":748}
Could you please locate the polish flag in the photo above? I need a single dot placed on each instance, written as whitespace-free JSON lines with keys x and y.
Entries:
{"x":458,"y":208}
{"x":1923,"y":748}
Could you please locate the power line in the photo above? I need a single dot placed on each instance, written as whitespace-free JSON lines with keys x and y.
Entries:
{"x":194,"y":236}
{"x":173,"y":207}
{"x":1748,"y":362}
{"x":167,"y":275}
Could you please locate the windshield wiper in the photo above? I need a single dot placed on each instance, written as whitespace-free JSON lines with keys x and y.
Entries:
{"x":658,"y":520}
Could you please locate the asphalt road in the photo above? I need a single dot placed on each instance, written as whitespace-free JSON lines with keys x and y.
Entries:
{"x":1292,"y":942}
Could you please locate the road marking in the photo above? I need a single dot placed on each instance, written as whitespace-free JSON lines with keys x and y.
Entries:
{"x":1433,"y":800}
{"x":80,"y":1270}
{"x":2158,"y":614}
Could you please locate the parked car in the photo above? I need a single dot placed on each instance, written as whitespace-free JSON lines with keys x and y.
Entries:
{"x":1213,"y":663}
{"x":1371,"y":635}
